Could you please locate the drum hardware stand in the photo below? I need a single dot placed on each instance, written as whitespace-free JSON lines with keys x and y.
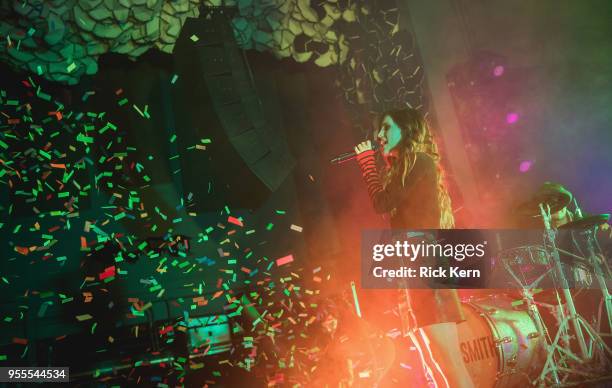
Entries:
{"x":549,"y":346}
{"x":561,"y":363}
{"x":542,"y":331}
{"x":591,"y":240}
{"x":591,"y":235}
{"x":569,"y":300}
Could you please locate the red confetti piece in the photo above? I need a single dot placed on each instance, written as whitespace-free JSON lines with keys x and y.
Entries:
{"x":22,"y":250}
{"x":284,"y":260}
{"x":108,"y":272}
{"x":235,"y":221}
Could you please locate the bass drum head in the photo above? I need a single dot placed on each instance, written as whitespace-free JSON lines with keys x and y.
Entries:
{"x":500,"y":345}
{"x":481,"y":358}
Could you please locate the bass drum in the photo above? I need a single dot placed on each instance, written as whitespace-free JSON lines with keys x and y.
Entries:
{"x":500,"y":345}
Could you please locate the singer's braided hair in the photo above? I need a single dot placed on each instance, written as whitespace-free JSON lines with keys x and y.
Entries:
{"x":417,"y":137}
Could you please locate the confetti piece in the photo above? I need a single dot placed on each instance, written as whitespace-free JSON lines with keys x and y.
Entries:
{"x":234,"y":221}
{"x":284,"y":260}
{"x":83,"y":317}
{"x":108,"y":272}
{"x":20,"y":341}
{"x":355,"y":300}
{"x":296,"y":228}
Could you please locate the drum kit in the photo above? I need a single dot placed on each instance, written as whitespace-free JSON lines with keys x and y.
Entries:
{"x":535,"y":335}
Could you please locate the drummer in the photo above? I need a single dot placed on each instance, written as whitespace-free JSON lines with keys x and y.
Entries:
{"x":557,"y":198}
{"x":553,"y":195}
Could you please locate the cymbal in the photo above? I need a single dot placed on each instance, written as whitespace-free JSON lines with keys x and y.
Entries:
{"x":587,"y":222}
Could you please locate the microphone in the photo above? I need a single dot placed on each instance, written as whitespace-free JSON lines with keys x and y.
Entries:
{"x":345,"y":157}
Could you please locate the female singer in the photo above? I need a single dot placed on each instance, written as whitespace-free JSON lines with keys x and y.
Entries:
{"x":411,"y":190}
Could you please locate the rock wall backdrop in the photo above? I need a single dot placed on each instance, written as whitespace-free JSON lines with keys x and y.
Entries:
{"x":62,"y":40}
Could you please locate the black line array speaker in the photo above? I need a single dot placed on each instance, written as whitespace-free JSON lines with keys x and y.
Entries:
{"x":216,"y":97}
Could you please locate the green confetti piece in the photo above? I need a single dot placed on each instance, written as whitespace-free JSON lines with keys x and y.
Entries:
{"x":269,"y":226}
{"x":84,"y":139}
{"x":43,"y":96}
{"x":71,"y":67}
{"x":155,"y":288}
{"x":174,"y":78}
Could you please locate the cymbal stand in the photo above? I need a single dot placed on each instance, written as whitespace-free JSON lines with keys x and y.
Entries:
{"x":550,"y":235}
{"x":558,"y":356}
{"x":562,"y":367}
{"x":591,"y":236}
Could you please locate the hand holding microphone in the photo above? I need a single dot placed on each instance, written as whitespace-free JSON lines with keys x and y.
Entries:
{"x":359,"y":148}
{"x":363,"y":146}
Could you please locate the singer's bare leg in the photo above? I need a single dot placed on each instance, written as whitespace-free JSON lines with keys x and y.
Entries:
{"x":438,"y":346}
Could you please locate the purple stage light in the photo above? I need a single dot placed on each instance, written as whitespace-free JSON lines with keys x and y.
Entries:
{"x":525,"y":165}
{"x":498,"y":70}
{"x":512,"y":117}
